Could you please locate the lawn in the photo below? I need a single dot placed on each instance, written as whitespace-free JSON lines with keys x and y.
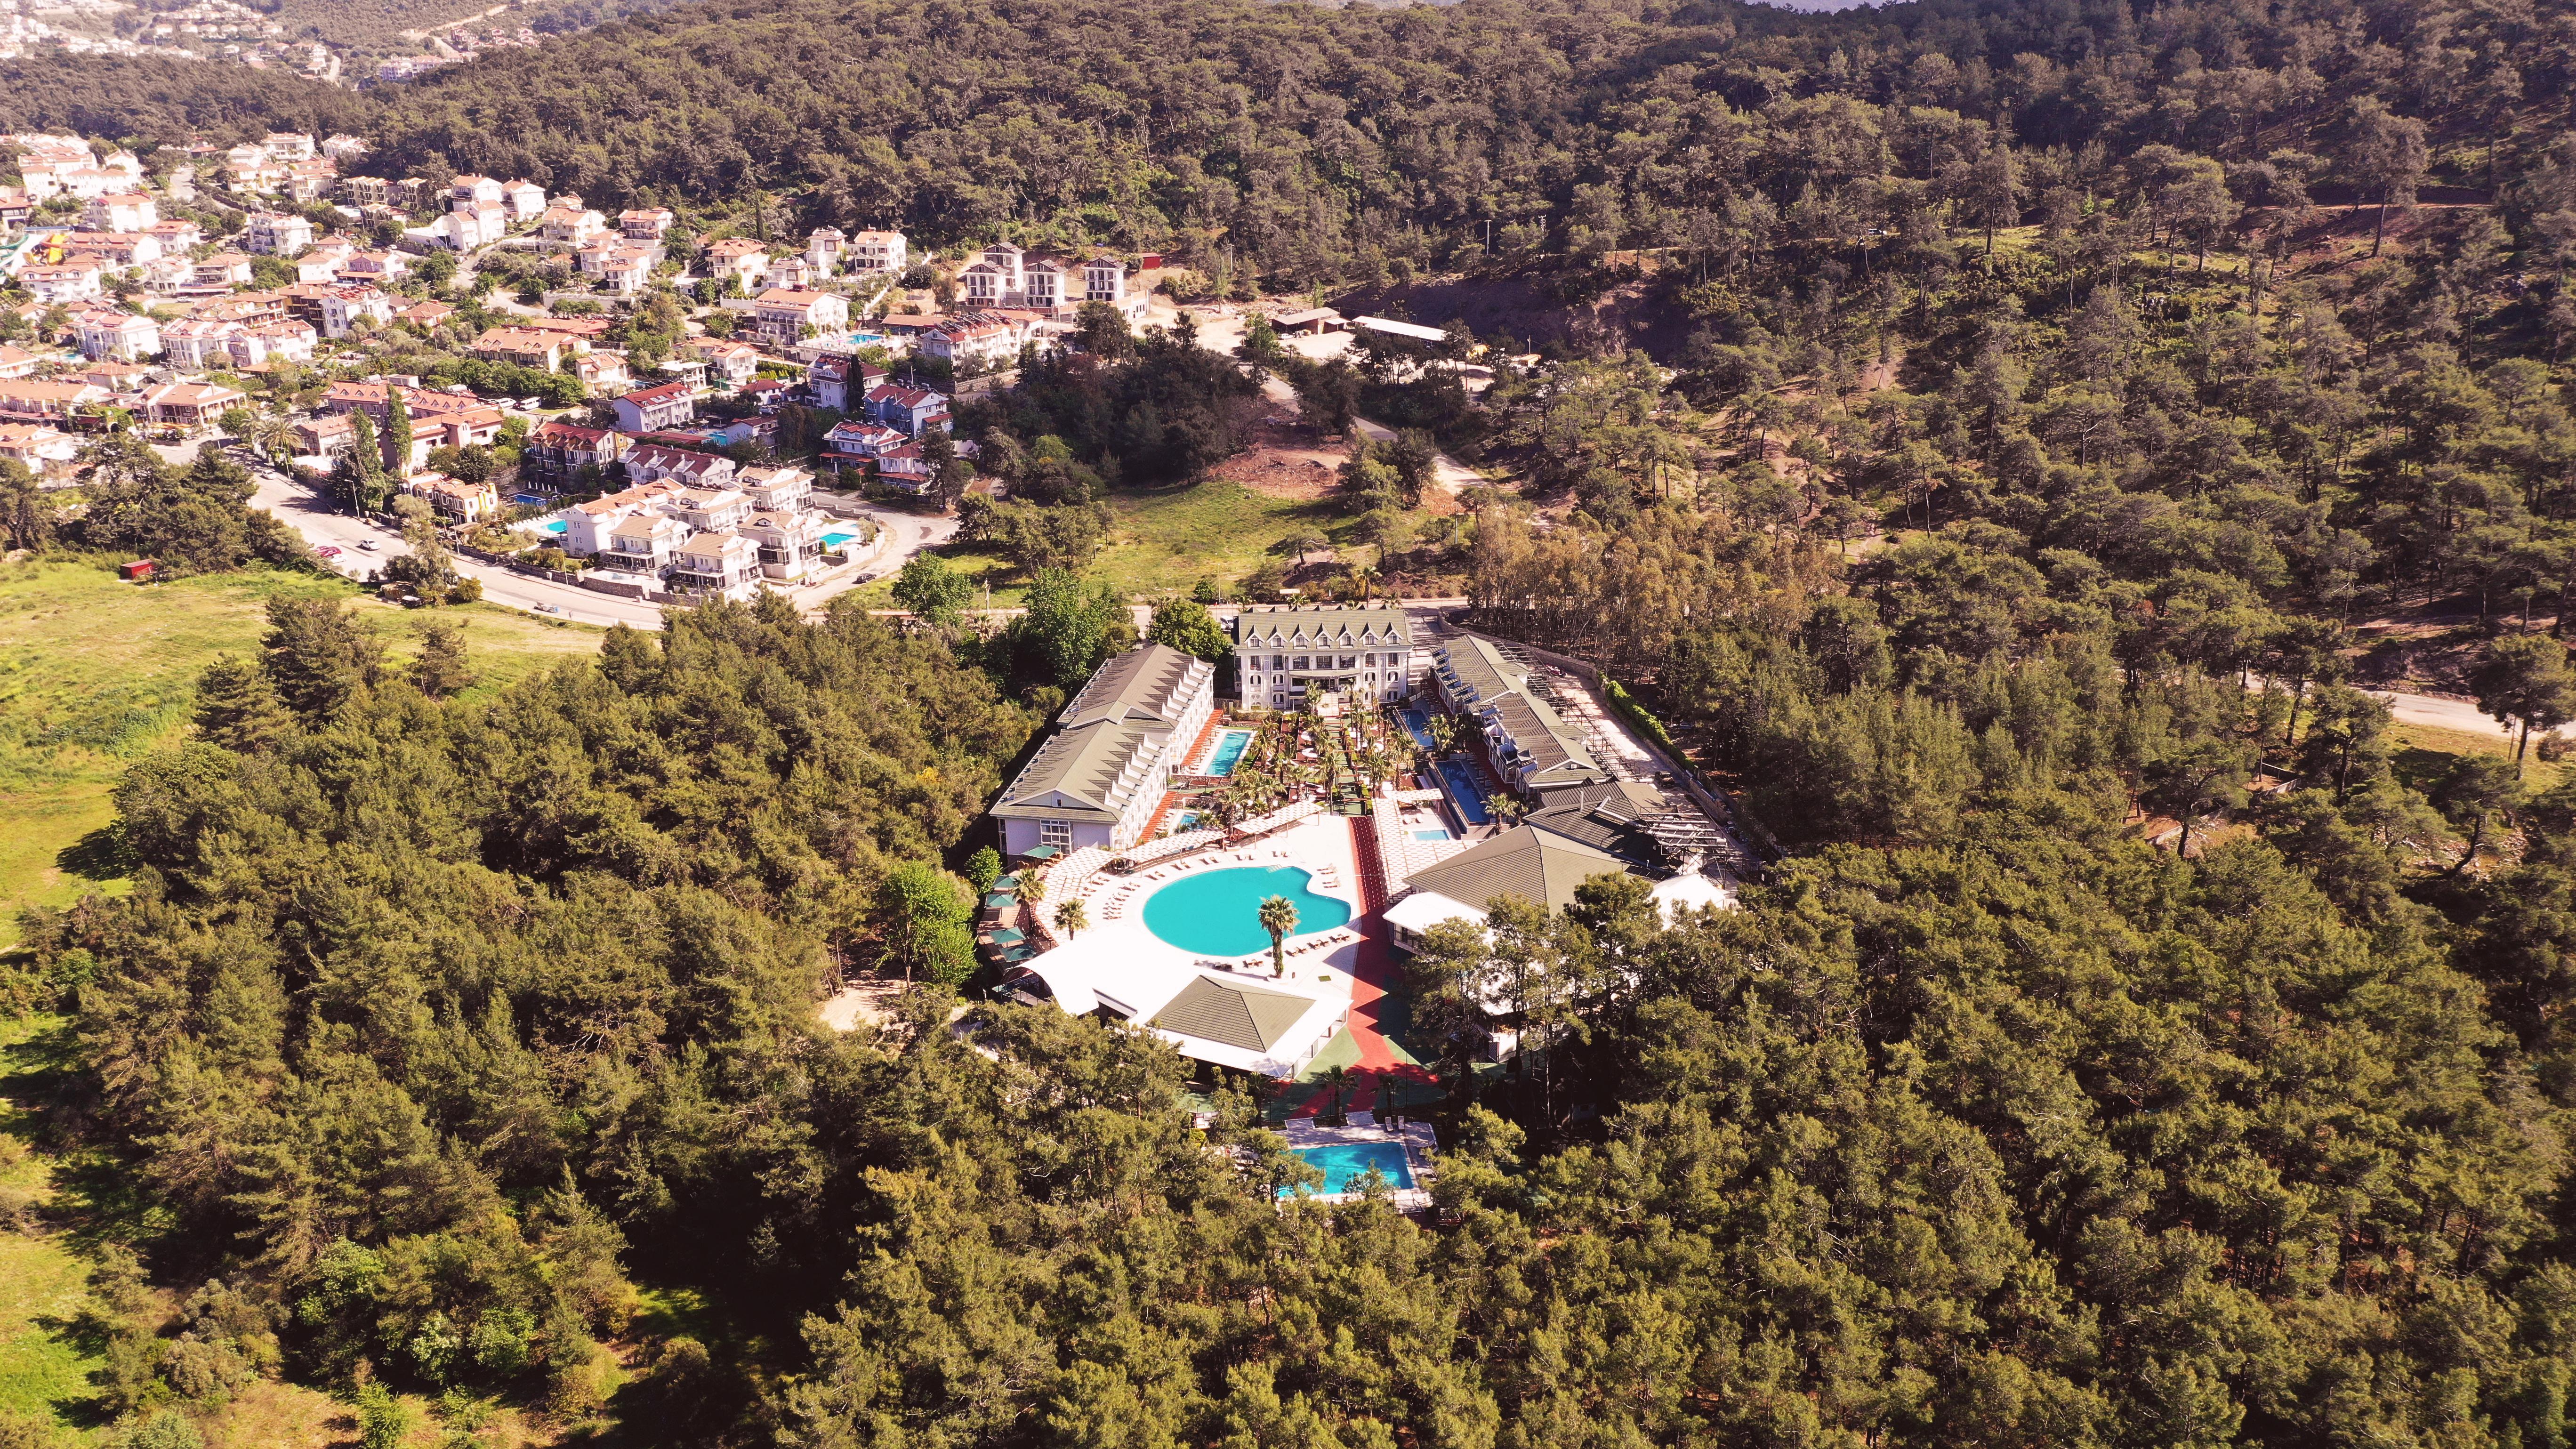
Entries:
{"x":1162,"y":541}
{"x":42,"y":1282}
{"x":2422,"y":754}
{"x":95,"y":671}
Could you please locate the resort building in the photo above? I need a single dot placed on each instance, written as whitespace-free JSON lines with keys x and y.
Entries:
{"x":1101,"y":778}
{"x":1605,"y":829}
{"x":1289,"y":653}
{"x":1530,"y":743}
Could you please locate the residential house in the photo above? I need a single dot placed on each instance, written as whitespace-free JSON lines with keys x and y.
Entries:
{"x":737,"y":259}
{"x":836,"y":380}
{"x":735,"y":363}
{"x":647,"y":409}
{"x":222,"y":271}
{"x":879,"y":253}
{"x":725,"y":564}
{"x":475,"y":193}
{"x":76,"y":277}
{"x":972,"y":340}
{"x":523,"y":199}
{"x":16,"y":362}
{"x":629,"y":269}
{"x":602,"y":373}
{"x":1102,"y":776}
{"x":783,"y":316}
{"x":996,"y":278}
{"x":643,"y":542}
{"x":191,"y":406}
{"x":557,"y":452}
{"x":898,"y":405}
{"x":463,"y":231}
{"x":789,"y":273}
{"x":120,"y":211}
{"x":905,"y":467}
{"x":44,"y":450}
{"x":325,"y":435}
{"x":106,"y":332}
{"x":345,"y":307}
{"x":580,"y":334}
{"x":1104,"y":279}
{"x":309,"y":181}
{"x":271,"y":339}
{"x":857,"y":442}
{"x":324,"y":259}
{"x":116,"y":250}
{"x":453,"y":499}
{"x":573,"y":226}
{"x":823,"y":250}
{"x":425,"y":314}
{"x":540,"y":350}
{"x":344,"y":148}
{"x":375,"y":269}
{"x":48,"y":400}
{"x":1284,"y":655}
{"x":438,"y":419}
{"x":654,"y":462}
{"x":15,"y":207}
{"x":288,"y":146}
{"x":647,"y":224}
{"x":277,"y":234}
{"x":176,"y":235}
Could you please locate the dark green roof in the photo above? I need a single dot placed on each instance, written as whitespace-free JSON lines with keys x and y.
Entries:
{"x":1239,"y":1016}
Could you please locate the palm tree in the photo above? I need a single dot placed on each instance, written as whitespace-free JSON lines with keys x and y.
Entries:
{"x":1072,"y":919}
{"x":1278,"y":917}
{"x":1337,"y":1078}
{"x":275,"y":436}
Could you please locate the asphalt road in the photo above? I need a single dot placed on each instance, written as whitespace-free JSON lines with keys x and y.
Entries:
{"x":2435,"y":712}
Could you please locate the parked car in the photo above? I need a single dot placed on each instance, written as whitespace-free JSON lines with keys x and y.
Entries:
{"x":368,"y":544}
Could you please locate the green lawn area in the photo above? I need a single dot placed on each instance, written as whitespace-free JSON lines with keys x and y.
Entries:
{"x":95,"y":671}
{"x":1165,"y":540}
{"x":2422,"y":755}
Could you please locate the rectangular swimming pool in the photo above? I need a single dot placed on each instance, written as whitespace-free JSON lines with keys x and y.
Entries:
{"x":1418,"y":725}
{"x":1344,"y":1164}
{"x":834,"y":541}
{"x":1465,"y":793}
{"x":1229,"y":752}
{"x":1433,"y":835}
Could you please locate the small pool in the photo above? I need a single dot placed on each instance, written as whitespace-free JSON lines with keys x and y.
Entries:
{"x":1344,"y":1164}
{"x":834,"y":541}
{"x":1433,"y":835}
{"x":1219,"y":913}
{"x":1418,"y":725}
{"x":1189,"y":820}
{"x":1229,"y":752}
{"x":528,"y":500}
{"x":1464,"y":792}
{"x":557,"y":526}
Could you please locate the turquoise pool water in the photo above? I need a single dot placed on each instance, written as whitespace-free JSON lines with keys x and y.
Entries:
{"x":1345,"y":1163}
{"x":1229,"y":752}
{"x":1218,"y":913}
{"x":557,"y":526}
{"x":835,"y":540}
{"x":1431,"y":835}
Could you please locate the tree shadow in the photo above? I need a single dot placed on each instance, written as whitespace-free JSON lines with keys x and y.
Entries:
{"x":102,"y":855}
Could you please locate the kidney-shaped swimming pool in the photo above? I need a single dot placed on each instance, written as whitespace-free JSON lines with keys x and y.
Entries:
{"x":1219,"y":913}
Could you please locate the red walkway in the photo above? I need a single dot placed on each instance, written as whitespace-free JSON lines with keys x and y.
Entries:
{"x":1374,"y":973}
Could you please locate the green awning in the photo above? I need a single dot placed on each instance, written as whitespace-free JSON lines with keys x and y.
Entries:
{"x":1006,"y":936}
{"x":1043,"y":852}
{"x":999,"y":901}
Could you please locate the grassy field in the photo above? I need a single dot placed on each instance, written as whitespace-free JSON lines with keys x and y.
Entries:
{"x":94,"y":672}
{"x":2422,"y":754}
{"x":1165,"y":541}
{"x":42,"y":1282}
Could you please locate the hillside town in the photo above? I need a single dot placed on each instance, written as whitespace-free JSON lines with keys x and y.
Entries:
{"x":613,"y":401}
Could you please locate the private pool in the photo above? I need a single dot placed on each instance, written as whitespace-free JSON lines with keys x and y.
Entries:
{"x":1229,"y":752}
{"x":557,"y":526}
{"x":1344,"y":1164}
{"x":834,"y":541}
{"x":1418,"y":725}
{"x":1219,"y":913}
{"x":1432,"y":835}
{"x":1465,"y":793}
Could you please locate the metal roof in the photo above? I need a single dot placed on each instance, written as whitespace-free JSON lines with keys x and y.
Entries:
{"x":1237,"y":1016}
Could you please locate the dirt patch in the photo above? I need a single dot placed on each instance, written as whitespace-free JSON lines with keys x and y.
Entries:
{"x":866,"y":1001}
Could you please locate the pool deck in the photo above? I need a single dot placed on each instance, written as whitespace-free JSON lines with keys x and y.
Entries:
{"x":1419,"y":1143}
{"x":1118,"y":960}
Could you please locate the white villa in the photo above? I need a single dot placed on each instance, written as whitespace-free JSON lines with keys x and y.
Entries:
{"x":1101,"y":779}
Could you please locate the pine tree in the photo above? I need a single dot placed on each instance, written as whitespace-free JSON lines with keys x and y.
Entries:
{"x":440,"y":670}
{"x":238,"y":706}
{"x":397,"y":434}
